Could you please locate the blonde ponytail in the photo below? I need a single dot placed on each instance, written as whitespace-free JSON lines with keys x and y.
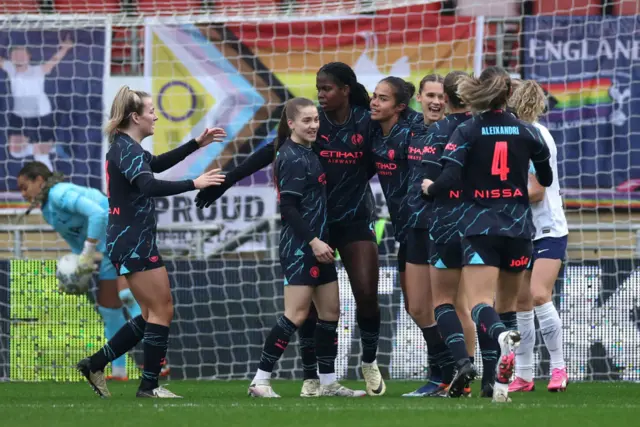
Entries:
{"x":125,"y":103}
{"x":489,"y":91}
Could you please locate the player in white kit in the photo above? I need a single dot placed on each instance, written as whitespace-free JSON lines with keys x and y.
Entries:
{"x":550,"y":246}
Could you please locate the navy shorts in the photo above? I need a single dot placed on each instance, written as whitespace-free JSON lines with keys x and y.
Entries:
{"x":418,"y":246}
{"x":126,"y":264}
{"x":341,"y":234}
{"x":128,"y":255}
{"x":506,"y":253}
{"x":447,"y":255}
{"x":306,"y":270}
{"x":549,"y":248}
{"x":402,"y":257}
{"x":37,"y":129}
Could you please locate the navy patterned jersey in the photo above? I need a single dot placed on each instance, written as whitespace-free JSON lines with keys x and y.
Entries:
{"x":417,"y":206}
{"x":494,"y":149}
{"x":131,"y":214}
{"x":392,"y":165}
{"x":298,"y":172}
{"x":344,"y":152}
{"x":444,"y":212}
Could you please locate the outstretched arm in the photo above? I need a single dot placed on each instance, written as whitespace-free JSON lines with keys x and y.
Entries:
{"x":258,"y":160}
{"x":151,"y":187}
{"x":171,"y":158}
{"x":65,"y":47}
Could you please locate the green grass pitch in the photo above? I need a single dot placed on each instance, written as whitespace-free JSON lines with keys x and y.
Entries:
{"x":225,"y":404}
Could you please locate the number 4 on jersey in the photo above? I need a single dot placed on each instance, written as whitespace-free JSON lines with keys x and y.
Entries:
{"x":499,"y":165}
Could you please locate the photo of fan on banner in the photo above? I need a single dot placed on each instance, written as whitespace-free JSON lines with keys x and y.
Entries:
{"x":51,"y":105}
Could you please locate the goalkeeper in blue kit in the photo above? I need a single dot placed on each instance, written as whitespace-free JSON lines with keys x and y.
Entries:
{"x":79,"y":214}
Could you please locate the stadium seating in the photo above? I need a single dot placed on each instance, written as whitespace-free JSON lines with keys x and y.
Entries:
{"x":22,"y":6}
{"x":168,"y":7}
{"x":568,"y":7}
{"x":121,"y":42}
{"x":87,"y":6}
{"x":248,"y":5}
{"x":417,"y":9}
{"x":626,"y":7}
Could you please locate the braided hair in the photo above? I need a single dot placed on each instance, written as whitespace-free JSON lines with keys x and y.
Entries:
{"x":343,"y":75}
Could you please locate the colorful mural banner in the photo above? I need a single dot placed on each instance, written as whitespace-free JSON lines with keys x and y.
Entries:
{"x":407,"y":46}
{"x":195,"y":87}
{"x":238,"y":76}
{"x":589,"y":65}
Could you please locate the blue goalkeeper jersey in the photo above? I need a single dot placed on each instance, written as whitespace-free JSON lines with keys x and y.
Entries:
{"x":77,"y":214}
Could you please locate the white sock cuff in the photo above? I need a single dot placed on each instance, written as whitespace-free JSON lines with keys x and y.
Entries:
{"x":326,"y":379}
{"x":545,"y":309}
{"x":262,"y":375}
{"x":525,"y":315}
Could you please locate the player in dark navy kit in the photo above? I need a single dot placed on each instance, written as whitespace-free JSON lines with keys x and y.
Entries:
{"x":131,"y":235}
{"x":446,"y":248}
{"x":307,"y":261}
{"x":417,"y":283}
{"x":392,"y":134}
{"x":344,"y":149}
{"x":490,"y":153}
{"x":426,"y":152}
{"x":390,"y":138}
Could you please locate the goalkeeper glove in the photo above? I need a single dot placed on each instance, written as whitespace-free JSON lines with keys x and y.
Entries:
{"x":86,"y":264}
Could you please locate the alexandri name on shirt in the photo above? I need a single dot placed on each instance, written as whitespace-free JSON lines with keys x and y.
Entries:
{"x":501,"y":130}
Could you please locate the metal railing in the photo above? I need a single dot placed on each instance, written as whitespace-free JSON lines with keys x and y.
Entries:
{"x":202,"y":232}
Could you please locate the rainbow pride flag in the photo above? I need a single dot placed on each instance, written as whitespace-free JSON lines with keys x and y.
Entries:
{"x":580,"y":93}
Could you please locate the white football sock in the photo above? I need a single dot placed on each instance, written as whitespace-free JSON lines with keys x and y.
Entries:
{"x":551,"y":329}
{"x":326,"y":379}
{"x":262,"y":375}
{"x":524,"y":353}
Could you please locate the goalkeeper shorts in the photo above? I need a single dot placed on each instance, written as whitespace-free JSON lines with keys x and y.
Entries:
{"x":107,"y":270}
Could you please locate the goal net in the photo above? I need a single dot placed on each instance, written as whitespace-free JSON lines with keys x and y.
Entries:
{"x":233,"y":64}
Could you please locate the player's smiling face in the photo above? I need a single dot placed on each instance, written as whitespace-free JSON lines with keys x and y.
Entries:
{"x":383,"y":103}
{"x":304,"y":128}
{"x":431,"y":97}
{"x":146,"y":121}
{"x":30,"y":188}
{"x":331,"y":96}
